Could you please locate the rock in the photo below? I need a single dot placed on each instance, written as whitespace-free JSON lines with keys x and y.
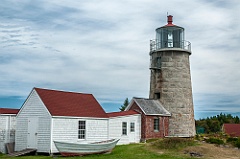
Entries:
{"x":195,"y":154}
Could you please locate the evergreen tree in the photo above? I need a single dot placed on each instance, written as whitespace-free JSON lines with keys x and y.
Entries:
{"x":213,"y":124}
{"x":125,"y":104}
{"x":236,"y":121}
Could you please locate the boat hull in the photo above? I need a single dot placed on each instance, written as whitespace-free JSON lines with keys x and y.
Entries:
{"x":76,"y":149}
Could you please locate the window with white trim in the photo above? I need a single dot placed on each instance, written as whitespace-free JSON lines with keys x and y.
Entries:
{"x":132,"y":127}
{"x":124,"y":128}
{"x":156,"y":124}
{"x":81,"y":129}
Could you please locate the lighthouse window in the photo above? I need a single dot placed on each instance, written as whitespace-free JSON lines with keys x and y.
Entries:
{"x":158,"y":62}
{"x":157,"y":95}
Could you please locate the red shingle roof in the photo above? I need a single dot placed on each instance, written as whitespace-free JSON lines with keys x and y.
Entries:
{"x":232,"y":129}
{"x":8,"y":111}
{"x":60,"y":103}
{"x":122,"y":113}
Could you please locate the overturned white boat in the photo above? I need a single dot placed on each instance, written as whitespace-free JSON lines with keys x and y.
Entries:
{"x":80,"y":149}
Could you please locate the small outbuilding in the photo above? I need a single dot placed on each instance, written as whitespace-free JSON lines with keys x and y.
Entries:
{"x":49,"y":115}
{"x":7,"y":127}
{"x":154,"y":117}
{"x":125,"y":125}
{"x":232,"y":130}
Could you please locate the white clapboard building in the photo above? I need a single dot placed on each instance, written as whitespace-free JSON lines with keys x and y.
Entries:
{"x":125,"y":125}
{"x":7,"y":127}
{"x":49,"y":115}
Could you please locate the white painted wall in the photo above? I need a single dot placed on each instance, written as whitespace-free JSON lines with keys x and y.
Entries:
{"x":50,"y":128}
{"x":115,"y":129}
{"x":7,"y":130}
{"x":66,"y":129}
{"x":33,"y":108}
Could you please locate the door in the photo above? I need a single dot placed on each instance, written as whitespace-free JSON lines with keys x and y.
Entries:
{"x":32,"y":133}
{"x":132,"y":132}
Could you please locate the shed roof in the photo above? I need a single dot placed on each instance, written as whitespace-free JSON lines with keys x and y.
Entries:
{"x":232,"y":129}
{"x":150,"y":106}
{"x":61,"y":103}
{"x":122,"y":113}
{"x":8,"y":111}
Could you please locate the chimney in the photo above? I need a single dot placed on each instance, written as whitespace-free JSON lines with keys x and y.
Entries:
{"x":170,"y":20}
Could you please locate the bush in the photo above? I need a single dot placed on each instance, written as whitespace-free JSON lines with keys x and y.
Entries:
{"x":174,"y":143}
{"x":197,"y":137}
{"x":237,"y":143}
{"x":151,"y":140}
{"x":215,"y":141}
{"x":232,"y":139}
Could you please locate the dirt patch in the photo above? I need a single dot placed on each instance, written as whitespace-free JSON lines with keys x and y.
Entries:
{"x":211,"y":151}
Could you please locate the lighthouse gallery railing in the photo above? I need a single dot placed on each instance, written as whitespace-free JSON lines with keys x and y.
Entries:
{"x":156,"y":44}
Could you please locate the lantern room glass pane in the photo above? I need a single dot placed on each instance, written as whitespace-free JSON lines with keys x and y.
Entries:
{"x":167,"y":37}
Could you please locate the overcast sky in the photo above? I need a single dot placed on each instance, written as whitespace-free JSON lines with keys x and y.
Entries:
{"x":102,"y":47}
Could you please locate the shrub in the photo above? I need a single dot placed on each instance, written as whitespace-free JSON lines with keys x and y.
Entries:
{"x":237,"y":143}
{"x":174,"y":143}
{"x":232,"y":139}
{"x":197,"y":137}
{"x":152,"y":140}
{"x":215,"y":141}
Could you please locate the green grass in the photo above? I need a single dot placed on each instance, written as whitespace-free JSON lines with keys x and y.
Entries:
{"x":132,"y":151}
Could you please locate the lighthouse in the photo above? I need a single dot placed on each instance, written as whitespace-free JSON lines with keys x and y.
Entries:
{"x":170,"y":80}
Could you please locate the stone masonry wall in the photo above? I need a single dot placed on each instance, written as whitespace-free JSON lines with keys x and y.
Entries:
{"x":173,"y":82}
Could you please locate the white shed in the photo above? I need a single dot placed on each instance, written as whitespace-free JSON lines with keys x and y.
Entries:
{"x":49,"y":115}
{"x":7,"y":127}
{"x":125,"y":125}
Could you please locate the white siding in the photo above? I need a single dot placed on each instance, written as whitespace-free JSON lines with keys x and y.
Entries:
{"x":2,"y":133}
{"x":7,"y":130}
{"x":33,"y":108}
{"x":115,"y":129}
{"x":66,"y":129}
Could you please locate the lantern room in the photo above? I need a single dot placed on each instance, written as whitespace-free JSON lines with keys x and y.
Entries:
{"x":169,"y":36}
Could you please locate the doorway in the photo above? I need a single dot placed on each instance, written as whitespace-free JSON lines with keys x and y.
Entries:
{"x":32,"y":133}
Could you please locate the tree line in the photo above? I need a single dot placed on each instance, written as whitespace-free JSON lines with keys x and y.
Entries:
{"x":214,"y":124}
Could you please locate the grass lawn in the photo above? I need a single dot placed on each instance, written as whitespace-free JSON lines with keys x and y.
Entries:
{"x":132,"y":151}
{"x":168,"y":148}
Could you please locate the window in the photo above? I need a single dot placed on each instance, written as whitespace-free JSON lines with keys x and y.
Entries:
{"x":170,"y":39}
{"x":156,"y":124}
{"x":124,"y":128}
{"x":81,"y":129}
{"x":132,"y":127}
{"x":158,"y":61}
{"x":157,"y":95}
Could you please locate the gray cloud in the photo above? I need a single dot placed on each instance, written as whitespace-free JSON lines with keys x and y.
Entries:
{"x":102,"y":47}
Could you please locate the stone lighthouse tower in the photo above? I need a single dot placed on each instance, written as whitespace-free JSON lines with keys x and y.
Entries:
{"x":171,"y":79}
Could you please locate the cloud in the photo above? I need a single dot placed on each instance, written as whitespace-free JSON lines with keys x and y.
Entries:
{"x":102,"y":47}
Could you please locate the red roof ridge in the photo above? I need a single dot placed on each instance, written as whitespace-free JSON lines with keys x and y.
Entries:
{"x":61,"y":91}
{"x":230,"y":124}
{"x":122,"y":113}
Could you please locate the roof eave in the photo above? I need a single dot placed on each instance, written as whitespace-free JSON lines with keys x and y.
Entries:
{"x":8,"y":114}
{"x":159,"y":114}
{"x":124,"y":115}
{"x":77,"y":117}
